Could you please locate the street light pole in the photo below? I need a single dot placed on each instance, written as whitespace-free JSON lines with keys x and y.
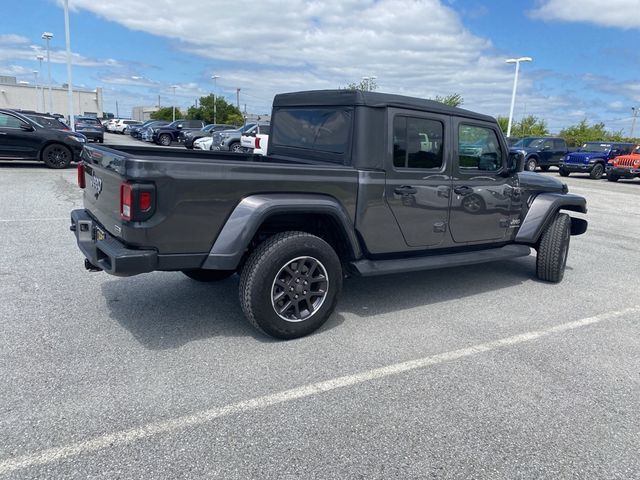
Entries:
{"x":47,"y":36}
{"x":515,"y":87}
{"x":35,"y":82}
{"x":67,"y":37}
{"x":174,"y":102}
{"x":40,"y":58}
{"x":215,"y":106}
{"x":633,"y":123}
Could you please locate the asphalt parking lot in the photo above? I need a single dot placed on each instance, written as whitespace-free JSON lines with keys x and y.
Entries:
{"x":474,"y":372}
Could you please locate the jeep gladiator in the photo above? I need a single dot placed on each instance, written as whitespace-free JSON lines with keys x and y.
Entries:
{"x":353,"y":183}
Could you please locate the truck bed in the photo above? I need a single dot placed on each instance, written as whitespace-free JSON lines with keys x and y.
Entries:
{"x":197,"y":191}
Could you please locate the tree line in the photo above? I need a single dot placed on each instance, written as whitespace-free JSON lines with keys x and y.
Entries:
{"x":225,"y":112}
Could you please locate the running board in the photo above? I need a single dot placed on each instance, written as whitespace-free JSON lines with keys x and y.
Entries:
{"x":369,"y":268}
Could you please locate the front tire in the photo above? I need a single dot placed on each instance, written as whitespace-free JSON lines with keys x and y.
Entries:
{"x":531,"y":165}
{"x":553,"y":249}
{"x":235,"y":147}
{"x":564,"y":172}
{"x":202,"y":275}
{"x":290,"y":284}
{"x":57,"y":156}
{"x":612,"y":178}
{"x":597,"y":171}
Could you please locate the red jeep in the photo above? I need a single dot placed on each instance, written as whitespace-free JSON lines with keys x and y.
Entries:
{"x":624,"y":166}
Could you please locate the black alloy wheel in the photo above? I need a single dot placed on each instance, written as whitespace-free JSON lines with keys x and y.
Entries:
{"x":597,"y":171}
{"x":57,"y":156}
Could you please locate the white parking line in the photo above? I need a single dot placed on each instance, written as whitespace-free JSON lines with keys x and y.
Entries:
{"x":126,"y":437}
{"x":18,"y":220}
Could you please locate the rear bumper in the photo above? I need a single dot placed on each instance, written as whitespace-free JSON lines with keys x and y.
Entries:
{"x":106,"y":252}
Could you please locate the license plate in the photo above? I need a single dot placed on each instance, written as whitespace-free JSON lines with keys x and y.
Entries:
{"x":100,"y":235}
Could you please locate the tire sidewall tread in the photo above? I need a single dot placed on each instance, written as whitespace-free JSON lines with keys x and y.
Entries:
{"x":554,"y":240}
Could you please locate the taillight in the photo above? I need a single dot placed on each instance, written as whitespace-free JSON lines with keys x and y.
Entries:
{"x":126,"y":201}
{"x":81,"y":181}
{"x":137,"y":201}
{"x":257,"y":142}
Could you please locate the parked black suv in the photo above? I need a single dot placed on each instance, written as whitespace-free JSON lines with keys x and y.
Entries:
{"x":543,"y":152}
{"x":192,"y":135}
{"x":171,"y":133}
{"x":22,"y":138}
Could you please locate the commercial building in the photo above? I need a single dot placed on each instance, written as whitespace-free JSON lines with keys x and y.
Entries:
{"x":28,"y":96}
{"x":142,"y":114}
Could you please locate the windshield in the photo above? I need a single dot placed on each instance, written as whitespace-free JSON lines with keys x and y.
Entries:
{"x":595,"y":147}
{"x":529,"y":142}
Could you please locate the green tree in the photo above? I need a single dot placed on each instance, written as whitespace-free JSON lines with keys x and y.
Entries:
{"x":453,"y":100}
{"x":366,"y":85}
{"x":583,"y":132}
{"x":166,"y":113}
{"x":225,"y":112}
{"x":504,"y":123}
{"x":530,"y":126}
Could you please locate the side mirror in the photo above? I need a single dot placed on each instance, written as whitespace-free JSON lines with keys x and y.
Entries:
{"x":515,"y":163}
{"x":26,"y":127}
{"x":179,"y":127}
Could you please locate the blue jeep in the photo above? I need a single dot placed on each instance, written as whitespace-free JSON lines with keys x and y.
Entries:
{"x":592,"y":158}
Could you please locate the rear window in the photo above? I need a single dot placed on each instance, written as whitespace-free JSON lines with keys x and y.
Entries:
{"x":324,"y":130}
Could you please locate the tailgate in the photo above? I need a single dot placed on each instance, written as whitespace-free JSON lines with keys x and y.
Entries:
{"x":103,"y":175}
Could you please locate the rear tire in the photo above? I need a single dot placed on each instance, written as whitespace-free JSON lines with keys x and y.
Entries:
{"x":553,"y":249}
{"x":564,"y":173}
{"x":290,"y":284}
{"x":164,"y":140}
{"x":202,"y":275}
{"x":597,"y":171}
{"x":531,"y":165}
{"x":57,"y":156}
{"x":612,"y":178}
{"x":545,"y":168}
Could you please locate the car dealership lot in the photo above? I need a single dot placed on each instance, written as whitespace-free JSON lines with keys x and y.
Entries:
{"x":158,"y":376}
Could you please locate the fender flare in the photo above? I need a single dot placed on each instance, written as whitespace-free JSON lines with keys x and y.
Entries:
{"x":543,"y":209}
{"x":252,"y":211}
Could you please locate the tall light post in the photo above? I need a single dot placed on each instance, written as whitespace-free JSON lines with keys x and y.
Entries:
{"x":215,"y":106}
{"x":40,"y":58}
{"x":515,"y":87}
{"x":67,"y":37}
{"x":174,"y":102}
{"x":633,"y":122}
{"x":47,"y":36}
{"x":35,"y":81}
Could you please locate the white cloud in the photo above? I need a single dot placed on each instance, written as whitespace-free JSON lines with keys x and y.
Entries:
{"x":613,"y":13}
{"x":12,"y":39}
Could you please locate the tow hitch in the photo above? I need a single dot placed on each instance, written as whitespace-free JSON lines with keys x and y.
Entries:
{"x":91,"y":267}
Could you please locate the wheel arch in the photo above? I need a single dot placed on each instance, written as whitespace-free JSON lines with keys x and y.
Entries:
{"x":544,"y":208}
{"x":257,"y":217}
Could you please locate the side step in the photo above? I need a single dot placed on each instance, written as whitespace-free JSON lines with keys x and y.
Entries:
{"x":369,"y":268}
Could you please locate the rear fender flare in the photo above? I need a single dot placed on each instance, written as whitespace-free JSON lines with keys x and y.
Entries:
{"x":247,"y":217}
{"x":543,"y":209}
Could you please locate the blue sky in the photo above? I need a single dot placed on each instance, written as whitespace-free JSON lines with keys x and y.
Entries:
{"x":586,"y":56}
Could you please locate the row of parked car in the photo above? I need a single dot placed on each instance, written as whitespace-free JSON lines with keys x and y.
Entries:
{"x":195,"y":134}
{"x":594,"y":158}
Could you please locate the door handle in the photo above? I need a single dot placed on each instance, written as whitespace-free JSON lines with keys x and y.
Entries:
{"x":406,"y":190}
{"x":463,"y":190}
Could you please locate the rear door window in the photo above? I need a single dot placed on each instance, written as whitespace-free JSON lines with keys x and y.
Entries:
{"x":417,"y":143}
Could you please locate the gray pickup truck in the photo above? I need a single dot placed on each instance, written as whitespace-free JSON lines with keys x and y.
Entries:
{"x":353,"y":183}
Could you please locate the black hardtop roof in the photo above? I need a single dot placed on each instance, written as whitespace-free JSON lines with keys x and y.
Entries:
{"x":369,"y":99}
